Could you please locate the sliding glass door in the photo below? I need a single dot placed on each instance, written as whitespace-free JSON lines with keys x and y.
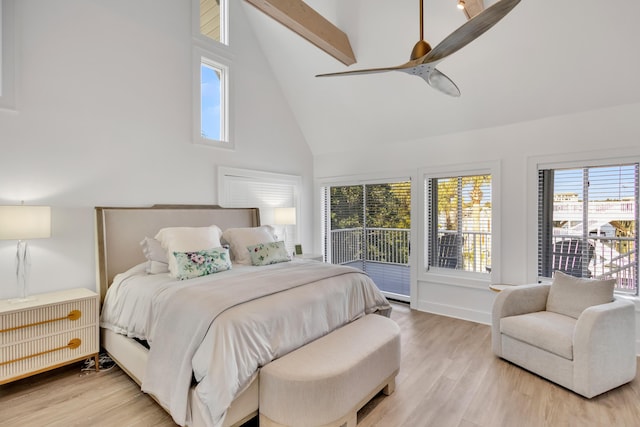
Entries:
{"x":367,"y":226}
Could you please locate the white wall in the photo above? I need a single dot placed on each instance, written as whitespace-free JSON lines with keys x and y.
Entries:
{"x":104,"y":119}
{"x":591,"y":135}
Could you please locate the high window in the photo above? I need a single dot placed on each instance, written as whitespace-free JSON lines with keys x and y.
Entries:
{"x":587,"y":223}
{"x":459,"y":217}
{"x":211,"y":74}
{"x":213,"y":20}
{"x":213,"y":101}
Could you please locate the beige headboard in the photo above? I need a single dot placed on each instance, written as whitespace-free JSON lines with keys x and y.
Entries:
{"x":120,"y":230}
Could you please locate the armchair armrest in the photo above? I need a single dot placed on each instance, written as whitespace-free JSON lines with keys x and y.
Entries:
{"x":512,"y":302}
{"x":604,"y":347}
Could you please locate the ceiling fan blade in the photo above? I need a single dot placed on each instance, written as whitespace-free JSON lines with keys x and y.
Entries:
{"x":434,"y":78}
{"x":364,"y":71}
{"x":470,"y":30}
{"x":444,"y":84}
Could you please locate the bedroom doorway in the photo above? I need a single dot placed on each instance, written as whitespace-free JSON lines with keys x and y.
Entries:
{"x":368,"y":226}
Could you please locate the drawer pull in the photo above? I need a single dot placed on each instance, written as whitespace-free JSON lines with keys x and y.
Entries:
{"x":73,"y":315}
{"x":73,"y":344}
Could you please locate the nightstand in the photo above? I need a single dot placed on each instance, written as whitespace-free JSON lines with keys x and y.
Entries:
{"x":314,"y":257}
{"x":52,"y":330}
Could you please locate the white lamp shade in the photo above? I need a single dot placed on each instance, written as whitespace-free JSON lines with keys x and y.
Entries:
{"x":284,"y":216}
{"x":25,"y":222}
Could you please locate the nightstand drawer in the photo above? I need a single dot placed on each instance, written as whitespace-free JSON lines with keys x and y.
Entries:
{"x":41,"y":354}
{"x":47,"y":331}
{"x":37,"y":322}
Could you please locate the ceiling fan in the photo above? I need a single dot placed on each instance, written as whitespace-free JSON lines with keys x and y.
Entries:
{"x":424,"y":59}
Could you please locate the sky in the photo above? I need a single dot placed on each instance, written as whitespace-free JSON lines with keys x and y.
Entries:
{"x":210,"y":102}
{"x":605,"y":183}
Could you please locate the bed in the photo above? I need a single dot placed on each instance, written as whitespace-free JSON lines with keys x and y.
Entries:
{"x":272,"y":310}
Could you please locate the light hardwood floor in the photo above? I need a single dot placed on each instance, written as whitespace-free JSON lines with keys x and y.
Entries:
{"x":448,"y":377}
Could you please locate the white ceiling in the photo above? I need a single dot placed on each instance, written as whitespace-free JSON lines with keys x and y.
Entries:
{"x":545,"y":58}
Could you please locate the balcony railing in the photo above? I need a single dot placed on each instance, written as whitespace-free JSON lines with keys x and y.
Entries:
{"x":608,"y":258}
{"x":475,"y":254}
{"x":384,"y":245}
{"x":613,"y":257}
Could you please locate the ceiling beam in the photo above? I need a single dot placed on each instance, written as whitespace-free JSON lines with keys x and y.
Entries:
{"x":473,"y":7}
{"x":306,"y":22}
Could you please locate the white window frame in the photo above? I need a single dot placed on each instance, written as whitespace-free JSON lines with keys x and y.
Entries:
{"x":219,"y":55}
{"x":562,"y":161}
{"x":447,"y":275}
{"x":7,"y":55}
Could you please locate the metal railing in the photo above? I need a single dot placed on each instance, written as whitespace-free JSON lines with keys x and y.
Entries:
{"x":608,"y":258}
{"x":383,"y":245}
{"x":476,"y":250}
{"x":613,"y":257}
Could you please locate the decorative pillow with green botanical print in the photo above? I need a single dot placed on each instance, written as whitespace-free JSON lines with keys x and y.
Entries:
{"x":201,"y":263}
{"x":268,"y":253}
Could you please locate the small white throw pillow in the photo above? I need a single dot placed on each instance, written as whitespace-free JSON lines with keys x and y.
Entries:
{"x":572,"y":295}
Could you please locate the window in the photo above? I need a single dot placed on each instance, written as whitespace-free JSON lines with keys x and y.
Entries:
{"x":213,"y":105}
{"x":211,"y":74}
{"x":368,"y":226}
{"x":587,"y":223}
{"x":213,"y":23}
{"x":459,"y":222}
{"x":7,"y":66}
{"x":266,"y":191}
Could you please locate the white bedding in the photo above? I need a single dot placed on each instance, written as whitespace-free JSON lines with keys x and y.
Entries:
{"x":240,"y":340}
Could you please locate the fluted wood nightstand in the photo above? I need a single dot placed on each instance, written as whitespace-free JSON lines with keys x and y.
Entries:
{"x":52,"y":330}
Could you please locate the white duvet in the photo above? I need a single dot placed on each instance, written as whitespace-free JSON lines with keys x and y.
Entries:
{"x":260,"y":314}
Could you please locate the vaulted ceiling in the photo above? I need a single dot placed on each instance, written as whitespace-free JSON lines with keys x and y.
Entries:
{"x":546,"y":58}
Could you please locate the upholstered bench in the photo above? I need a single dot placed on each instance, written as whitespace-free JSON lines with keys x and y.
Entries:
{"x":327,"y":381}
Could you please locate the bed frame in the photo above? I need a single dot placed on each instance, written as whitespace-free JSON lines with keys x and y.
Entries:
{"x":119,"y":231}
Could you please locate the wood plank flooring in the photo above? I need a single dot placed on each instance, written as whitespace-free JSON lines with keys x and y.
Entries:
{"x":448,"y":377}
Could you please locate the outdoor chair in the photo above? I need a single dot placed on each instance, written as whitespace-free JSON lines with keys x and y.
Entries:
{"x":448,"y":248}
{"x":568,"y":257}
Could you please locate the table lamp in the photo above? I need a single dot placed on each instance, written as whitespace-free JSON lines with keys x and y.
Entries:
{"x":22,"y":223}
{"x":284,"y":217}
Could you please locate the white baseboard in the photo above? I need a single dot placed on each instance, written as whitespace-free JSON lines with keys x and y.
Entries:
{"x":455,"y":312}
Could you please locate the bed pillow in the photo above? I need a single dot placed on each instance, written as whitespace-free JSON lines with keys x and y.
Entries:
{"x":201,"y":263}
{"x":268,"y":253}
{"x":156,"y":256}
{"x":187,"y":239}
{"x":571,"y":295}
{"x":241,"y":238}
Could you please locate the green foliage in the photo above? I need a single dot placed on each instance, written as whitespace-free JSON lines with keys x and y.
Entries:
{"x":449,"y":189}
{"x":376,"y":206}
{"x":387,"y":206}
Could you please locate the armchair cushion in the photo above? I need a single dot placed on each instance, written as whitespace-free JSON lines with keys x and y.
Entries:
{"x":545,"y":330}
{"x":570,"y":295}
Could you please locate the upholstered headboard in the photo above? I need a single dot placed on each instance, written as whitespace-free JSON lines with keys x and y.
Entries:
{"x":119,"y":231}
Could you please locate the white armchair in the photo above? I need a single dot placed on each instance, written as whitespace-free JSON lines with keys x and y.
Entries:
{"x":572,"y":332}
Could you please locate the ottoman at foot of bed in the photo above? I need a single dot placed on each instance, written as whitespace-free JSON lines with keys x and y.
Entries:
{"x":328,"y":380}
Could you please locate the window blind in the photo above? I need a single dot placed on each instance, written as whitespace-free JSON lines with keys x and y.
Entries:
{"x":459,"y":222}
{"x":265,"y":192}
{"x":368,"y":226}
{"x":587,"y":223}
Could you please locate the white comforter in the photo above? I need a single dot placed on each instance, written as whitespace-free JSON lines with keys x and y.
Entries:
{"x":225,"y":355}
